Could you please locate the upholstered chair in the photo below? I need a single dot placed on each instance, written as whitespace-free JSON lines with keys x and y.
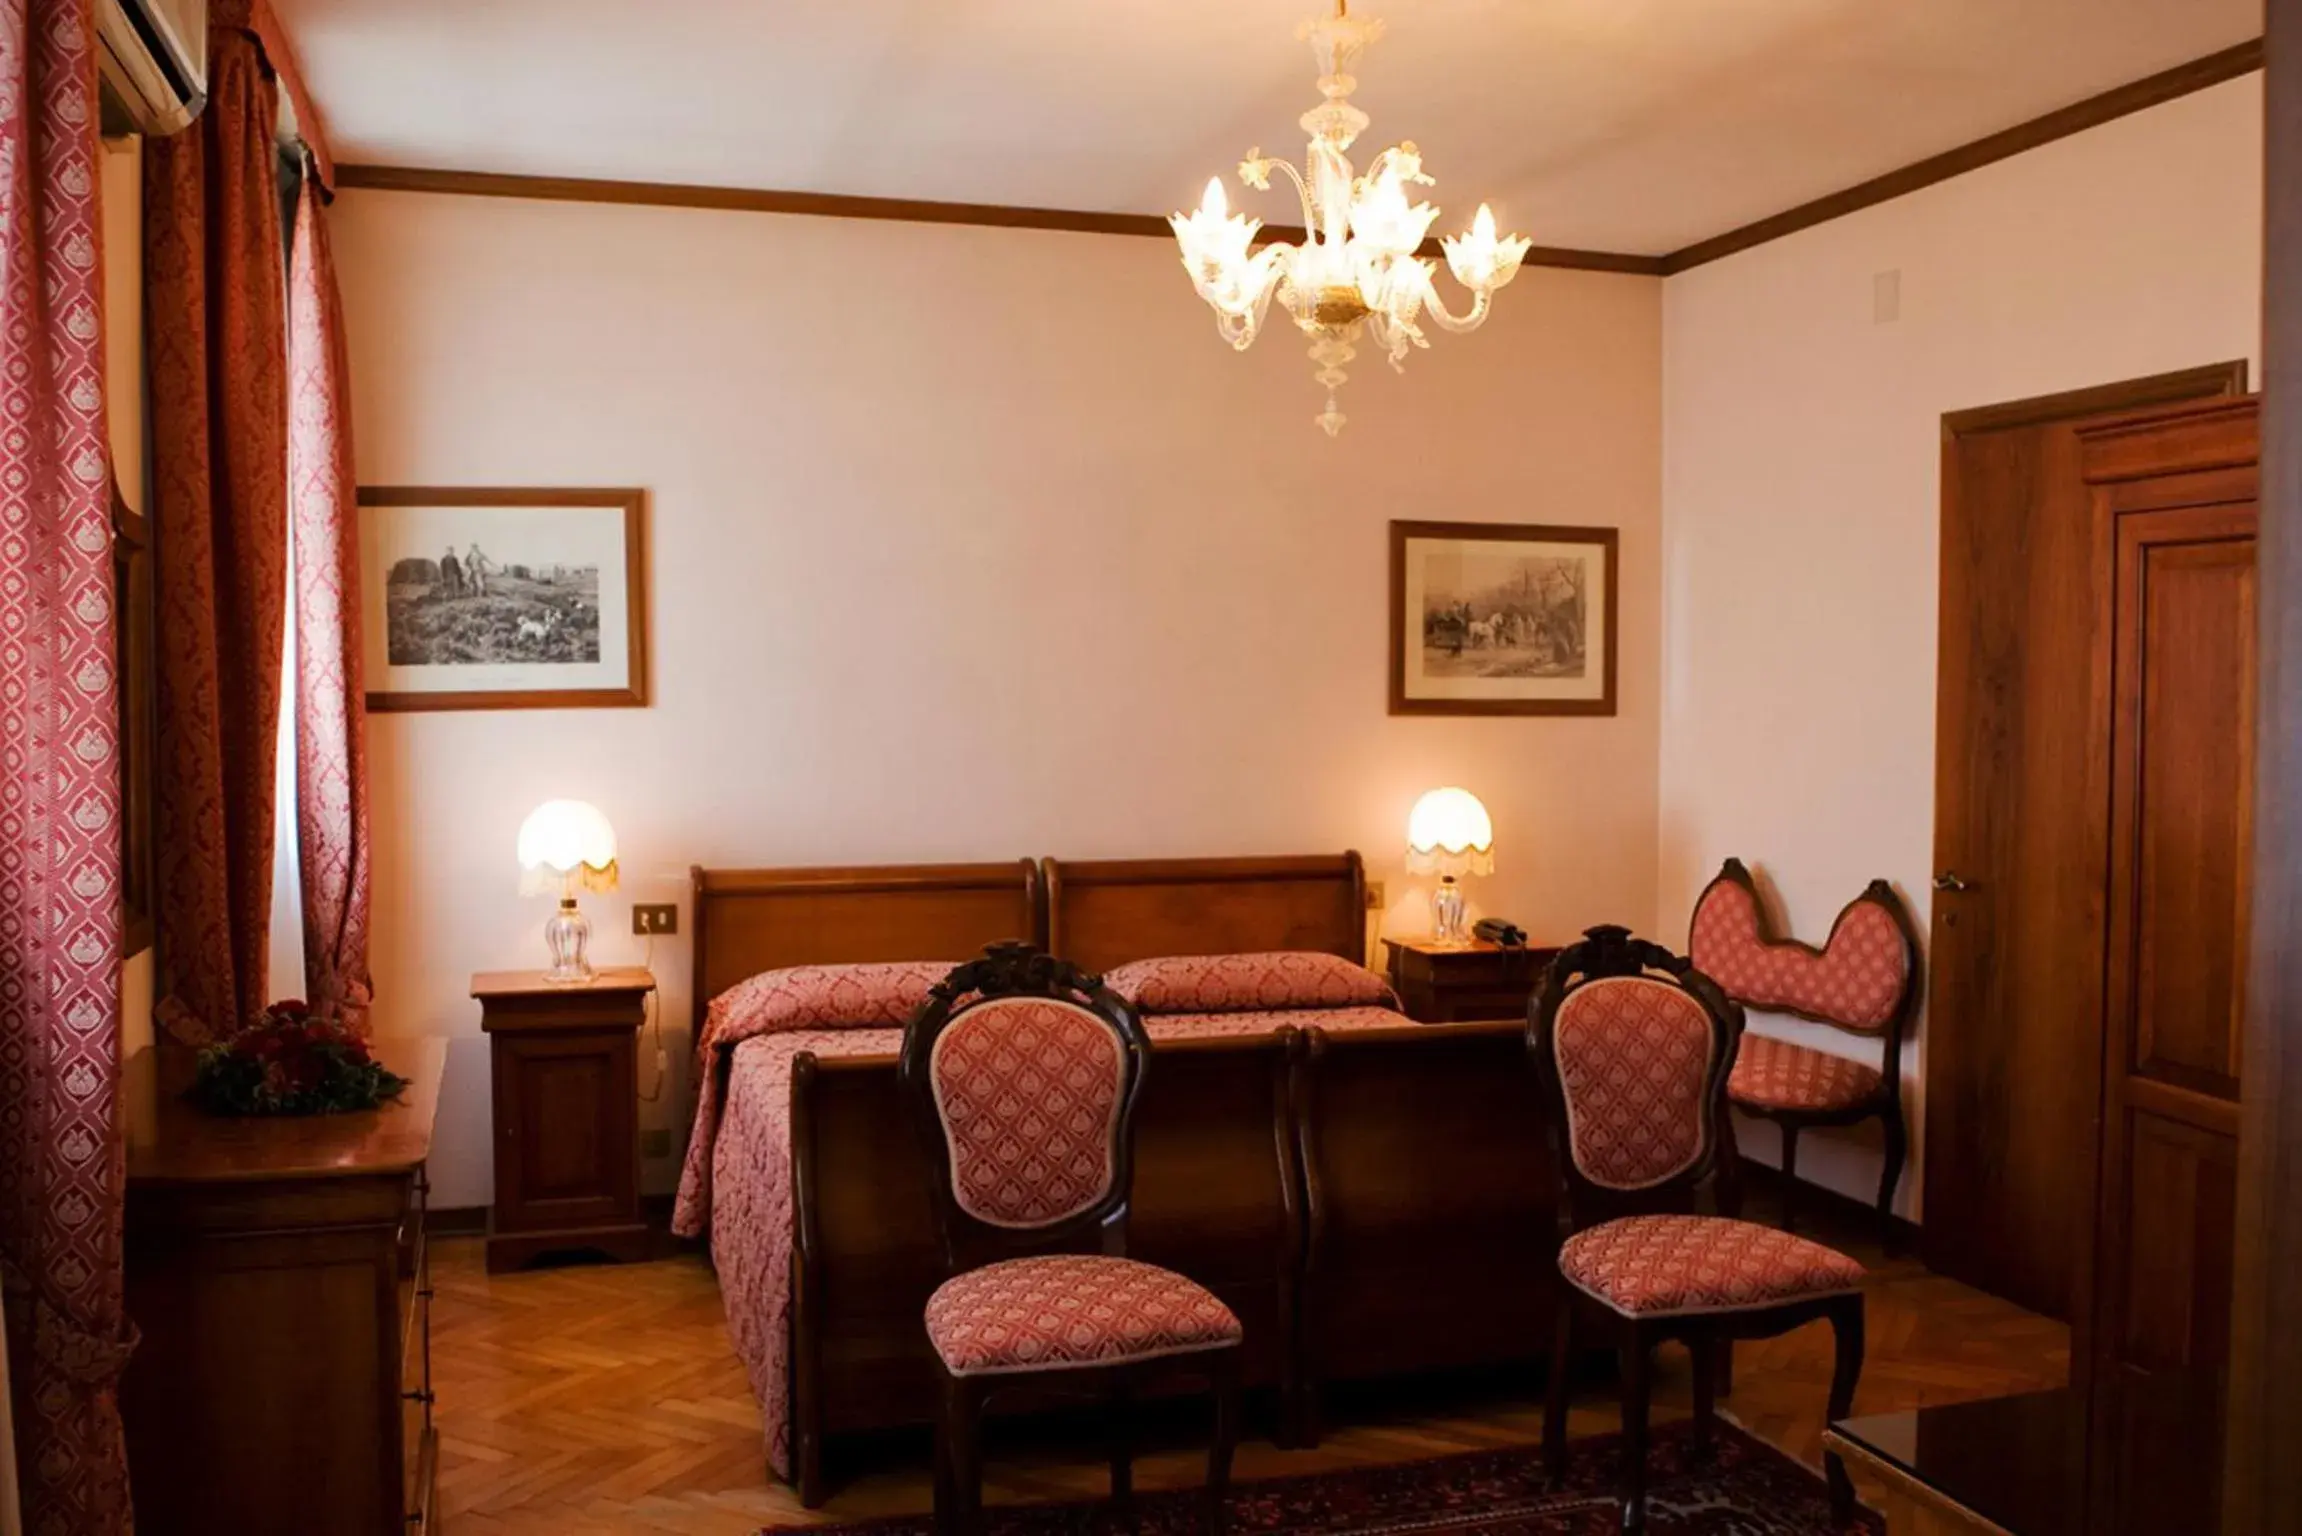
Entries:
{"x":1632,"y":1047}
{"x":1862,"y":981}
{"x":1025,"y":1073}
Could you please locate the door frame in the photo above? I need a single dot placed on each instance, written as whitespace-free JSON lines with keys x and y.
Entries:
{"x":2262,"y":1487}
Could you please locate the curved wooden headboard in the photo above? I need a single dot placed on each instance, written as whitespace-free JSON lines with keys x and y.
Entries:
{"x":1104,"y":913}
{"x":753,"y":920}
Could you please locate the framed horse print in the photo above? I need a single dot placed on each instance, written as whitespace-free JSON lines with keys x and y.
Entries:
{"x":476,"y":598}
{"x":1502,"y":619}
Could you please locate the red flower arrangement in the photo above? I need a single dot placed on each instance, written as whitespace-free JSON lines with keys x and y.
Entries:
{"x":291,"y":1063}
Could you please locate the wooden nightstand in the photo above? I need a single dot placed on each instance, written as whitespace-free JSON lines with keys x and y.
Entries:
{"x":1440,"y":983}
{"x":565,"y":1061}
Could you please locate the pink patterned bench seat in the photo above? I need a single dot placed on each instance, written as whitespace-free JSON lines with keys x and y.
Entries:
{"x":1777,"y":1074}
{"x":736,"y":1185}
{"x":1859,"y":980}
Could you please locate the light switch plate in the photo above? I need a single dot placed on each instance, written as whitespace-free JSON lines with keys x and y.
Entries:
{"x":655,"y":920}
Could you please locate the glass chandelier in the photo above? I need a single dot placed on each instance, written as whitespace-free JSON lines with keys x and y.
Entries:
{"x":1357,"y":270}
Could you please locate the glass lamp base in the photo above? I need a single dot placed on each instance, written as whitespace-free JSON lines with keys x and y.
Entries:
{"x":1447,"y":911}
{"x":568,"y":936}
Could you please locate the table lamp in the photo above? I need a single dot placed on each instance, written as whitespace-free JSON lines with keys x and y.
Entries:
{"x":566,"y":846}
{"x":1449,"y":835}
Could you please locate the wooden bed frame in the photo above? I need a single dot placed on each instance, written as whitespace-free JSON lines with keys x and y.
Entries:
{"x":1367,"y":1203}
{"x":1431,"y":1204}
{"x":1106,"y":913}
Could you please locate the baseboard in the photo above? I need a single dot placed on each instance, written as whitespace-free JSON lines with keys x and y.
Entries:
{"x":1766,"y":1181}
{"x":456,"y":1220}
{"x":472,"y":1220}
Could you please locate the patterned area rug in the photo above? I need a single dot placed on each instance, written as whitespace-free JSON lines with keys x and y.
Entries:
{"x":1745,"y":1489}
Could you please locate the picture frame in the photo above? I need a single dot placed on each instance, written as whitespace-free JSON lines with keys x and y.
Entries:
{"x":545,"y":606}
{"x":1503,"y":619}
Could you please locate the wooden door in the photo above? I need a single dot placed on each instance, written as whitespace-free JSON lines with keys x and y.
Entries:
{"x":2177,"y":497}
{"x":2022,"y":775}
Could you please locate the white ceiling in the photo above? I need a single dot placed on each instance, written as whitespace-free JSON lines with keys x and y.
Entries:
{"x":1624,"y":125}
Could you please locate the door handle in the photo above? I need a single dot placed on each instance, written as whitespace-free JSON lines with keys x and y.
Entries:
{"x":1949,"y":881}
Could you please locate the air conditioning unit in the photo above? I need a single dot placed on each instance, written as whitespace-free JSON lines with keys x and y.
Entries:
{"x":153,"y":56}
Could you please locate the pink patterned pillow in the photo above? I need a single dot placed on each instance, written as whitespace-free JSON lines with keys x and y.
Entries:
{"x":1029,"y":1089}
{"x":874,"y":996}
{"x":1857,"y":980}
{"x":1634,"y":1056}
{"x":1279,"y":979}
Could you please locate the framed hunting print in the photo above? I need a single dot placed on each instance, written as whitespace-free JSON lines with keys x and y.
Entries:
{"x":1502,"y":619}
{"x":503,"y":599}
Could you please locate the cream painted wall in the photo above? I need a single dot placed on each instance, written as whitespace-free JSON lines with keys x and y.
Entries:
{"x":970,"y":544}
{"x":1802,"y":483}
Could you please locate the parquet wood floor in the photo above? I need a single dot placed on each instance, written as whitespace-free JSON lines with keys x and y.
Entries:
{"x":607,"y":1399}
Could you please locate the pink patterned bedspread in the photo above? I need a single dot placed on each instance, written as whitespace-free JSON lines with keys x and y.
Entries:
{"x":736,"y":1185}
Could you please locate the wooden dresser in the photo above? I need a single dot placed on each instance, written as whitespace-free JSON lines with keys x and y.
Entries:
{"x":277,"y":1270}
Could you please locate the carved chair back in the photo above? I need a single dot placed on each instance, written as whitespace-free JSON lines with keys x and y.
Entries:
{"x":1632,"y":1047}
{"x":1024,"y":1072}
{"x":1863,"y":979}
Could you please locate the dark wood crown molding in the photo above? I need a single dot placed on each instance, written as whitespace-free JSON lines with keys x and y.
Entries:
{"x":2123,"y":101}
{"x":834,"y":205}
{"x":2181,"y":387}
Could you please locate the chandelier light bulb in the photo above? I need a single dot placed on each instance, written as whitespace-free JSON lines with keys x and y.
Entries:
{"x":1359,"y":271}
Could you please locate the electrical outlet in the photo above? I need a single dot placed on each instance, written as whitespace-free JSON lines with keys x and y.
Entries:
{"x":655,"y":920}
{"x":1375,"y":902}
{"x":656,"y":1143}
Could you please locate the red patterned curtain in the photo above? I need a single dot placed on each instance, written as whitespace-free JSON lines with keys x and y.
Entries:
{"x":216,"y":330}
{"x":60,"y":1147}
{"x":331,"y":709}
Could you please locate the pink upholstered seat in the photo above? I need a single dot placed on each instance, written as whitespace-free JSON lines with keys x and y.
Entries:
{"x":1777,"y":1075}
{"x":1027,"y":1071}
{"x":1674,"y":1266}
{"x":1059,"y":1311}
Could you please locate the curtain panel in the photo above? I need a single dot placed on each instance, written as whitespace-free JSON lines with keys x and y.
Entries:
{"x":60,"y":1145}
{"x":331,"y":702}
{"x":216,"y":336}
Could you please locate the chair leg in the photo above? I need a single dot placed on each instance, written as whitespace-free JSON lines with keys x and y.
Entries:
{"x":1637,"y":1366}
{"x":1705,"y":1353}
{"x":963,"y":1457}
{"x":1724,"y":1350}
{"x":1846,"y":1321}
{"x":1790,"y":1178}
{"x":1123,"y":1451}
{"x":1555,"y":1389}
{"x":1890,"y":1179}
{"x":1226,"y":1383}
{"x":946,"y":1494}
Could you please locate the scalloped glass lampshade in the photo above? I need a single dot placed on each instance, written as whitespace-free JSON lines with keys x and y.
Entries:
{"x":1449,"y":833}
{"x":566,"y":846}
